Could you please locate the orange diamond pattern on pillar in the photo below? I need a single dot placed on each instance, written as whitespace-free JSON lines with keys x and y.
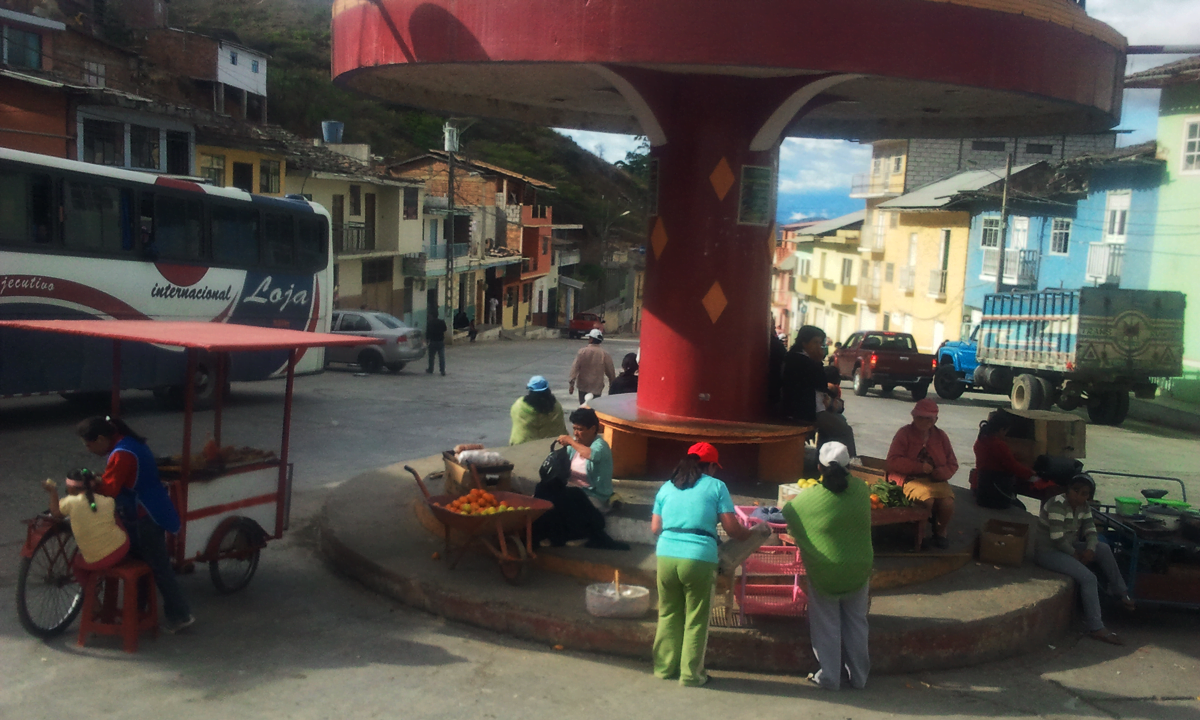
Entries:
{"x":714,"y":301}
{"x":722,"y":179}
{"x":658,"y":238}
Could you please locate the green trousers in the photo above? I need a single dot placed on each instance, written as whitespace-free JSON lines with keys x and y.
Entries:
{"x":684,"y":602}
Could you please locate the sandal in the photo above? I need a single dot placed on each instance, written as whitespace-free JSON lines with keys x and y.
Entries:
{"x":1127,"y":603}
{"x":1106,"y":636}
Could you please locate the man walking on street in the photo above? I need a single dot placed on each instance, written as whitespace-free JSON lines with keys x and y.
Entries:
{"x":436,"y":334}
{"x":591,"y":366}
{"x":493,"y":310}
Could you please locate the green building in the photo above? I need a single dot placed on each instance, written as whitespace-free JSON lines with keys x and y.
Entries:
{"x":1175,"y":263}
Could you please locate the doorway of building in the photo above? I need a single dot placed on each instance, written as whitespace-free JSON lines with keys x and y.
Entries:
{"x":377,"y":285}
{"x":243,"y":176}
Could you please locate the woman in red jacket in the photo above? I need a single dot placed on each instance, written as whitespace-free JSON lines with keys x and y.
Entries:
{"x":999,"y":471}
{"x":922,"y":460}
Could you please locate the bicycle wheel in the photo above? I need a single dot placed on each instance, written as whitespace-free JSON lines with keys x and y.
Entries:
{"x":237,"y":558}
{"x":48,"y":598}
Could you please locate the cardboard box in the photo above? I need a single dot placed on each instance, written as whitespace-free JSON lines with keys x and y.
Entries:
{"x":1042,"y":432}
{"x":868,"y":468}
{"x":1003,"y":543}
{"x":458,"y":477}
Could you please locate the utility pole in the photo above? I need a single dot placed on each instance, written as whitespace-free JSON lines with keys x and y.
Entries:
{"x":450,"y":137}
{"x":1003,"y":224}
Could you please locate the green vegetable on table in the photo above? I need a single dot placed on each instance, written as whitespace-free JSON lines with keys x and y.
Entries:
{"x":890,"y":494}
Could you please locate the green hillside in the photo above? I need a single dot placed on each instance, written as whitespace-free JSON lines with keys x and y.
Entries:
{"x":296,"y":35}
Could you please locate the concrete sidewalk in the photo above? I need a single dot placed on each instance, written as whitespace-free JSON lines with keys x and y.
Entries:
{"x":1166,"y":412}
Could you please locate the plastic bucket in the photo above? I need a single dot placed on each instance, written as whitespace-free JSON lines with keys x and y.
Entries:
{"x":1128,"y":506}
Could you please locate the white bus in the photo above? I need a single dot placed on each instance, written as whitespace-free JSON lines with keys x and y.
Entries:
{"x":80,"y":241}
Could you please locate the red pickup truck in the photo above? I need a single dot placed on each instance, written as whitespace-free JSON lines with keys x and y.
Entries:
{"x":886,"y":359}
{"x":583,"y":323}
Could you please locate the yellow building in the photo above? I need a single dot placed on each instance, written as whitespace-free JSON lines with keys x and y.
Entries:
{"x":923,"y":264}
{"x":256,"y":171}
{"x":828,"y":282}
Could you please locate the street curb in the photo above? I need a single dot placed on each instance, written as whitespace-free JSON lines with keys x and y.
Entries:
{"x":897,"y":646}
{"x":1157,"y":414}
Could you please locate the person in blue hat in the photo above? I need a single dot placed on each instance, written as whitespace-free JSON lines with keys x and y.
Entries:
{"x":537,"y":415}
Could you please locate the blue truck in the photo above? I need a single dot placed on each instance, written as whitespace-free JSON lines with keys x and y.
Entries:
{"x":1089,"y":347}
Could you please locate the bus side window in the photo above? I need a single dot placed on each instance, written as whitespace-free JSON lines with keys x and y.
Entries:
{"x":97,"y":218}
{"x":179,"y":228}
{"x":278,"y":234}
{"x":312,"y":243}
{"x":235,"y":236}
{"x":26,"y":201}
{"x":146,"y":227}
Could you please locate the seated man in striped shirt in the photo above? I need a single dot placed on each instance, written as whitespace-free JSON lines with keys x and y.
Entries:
{"x":1067,"y":543}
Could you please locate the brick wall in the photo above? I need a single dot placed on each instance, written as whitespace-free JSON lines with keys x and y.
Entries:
{"x":182,"y":53}
{"x":930,"y":160}
{"x":73,"y":49}
{"x":34,"y":119}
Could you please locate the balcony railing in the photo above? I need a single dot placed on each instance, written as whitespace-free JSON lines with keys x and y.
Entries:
{"x":1104,"y":262}
{"x":1020,"y":266}
{"x":438,"y":252}
{"x":353,"y":238}
{"x":937,"y":284}
{"x":906,"y":280}
{"x":867,"y":293}
{"x":872,"y":239}
{"x":870,"y":184}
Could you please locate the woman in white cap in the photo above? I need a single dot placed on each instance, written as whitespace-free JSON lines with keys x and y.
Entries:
{"x":537,"y":415}
{"x":686,"y":512}
{"x":831,"y":523}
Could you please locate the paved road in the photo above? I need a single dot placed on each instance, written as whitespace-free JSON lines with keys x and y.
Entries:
{"x":302,"y":642}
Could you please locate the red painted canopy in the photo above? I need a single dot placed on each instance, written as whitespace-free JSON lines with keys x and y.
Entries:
{"x":216,"y":337}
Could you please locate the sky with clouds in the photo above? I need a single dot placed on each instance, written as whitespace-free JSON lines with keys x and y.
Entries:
{"x":814,"y":175}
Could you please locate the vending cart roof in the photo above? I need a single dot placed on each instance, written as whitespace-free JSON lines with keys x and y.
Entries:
{"x":216,"y":337}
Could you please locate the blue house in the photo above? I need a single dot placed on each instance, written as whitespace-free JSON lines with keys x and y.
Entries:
{"x":1089,"y":222}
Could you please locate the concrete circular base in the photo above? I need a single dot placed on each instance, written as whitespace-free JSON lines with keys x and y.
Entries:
{"x":979,"y":613}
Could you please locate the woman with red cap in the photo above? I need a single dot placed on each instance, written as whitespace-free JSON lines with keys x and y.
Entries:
{"x":922,"y":460}
{"x":686,"y":512}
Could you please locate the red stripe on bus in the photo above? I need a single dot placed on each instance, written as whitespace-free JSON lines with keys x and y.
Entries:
{"x":178,"y":184}
{"x":226,"y":507}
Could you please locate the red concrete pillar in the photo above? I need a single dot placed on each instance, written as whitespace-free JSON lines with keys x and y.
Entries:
{"x":706,"y":318}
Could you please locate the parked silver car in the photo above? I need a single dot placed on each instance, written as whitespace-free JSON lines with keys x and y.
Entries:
{"x":402,"y":344}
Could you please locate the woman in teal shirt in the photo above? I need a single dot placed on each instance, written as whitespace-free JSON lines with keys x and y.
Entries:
{"x":832,"y":526}
{"x":686,"y":512}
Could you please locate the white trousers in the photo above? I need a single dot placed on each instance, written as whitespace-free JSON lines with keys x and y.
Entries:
{"x":838,"y":629}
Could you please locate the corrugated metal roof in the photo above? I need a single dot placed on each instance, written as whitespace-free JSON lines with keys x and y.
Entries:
{"x":441,"y":156}
{"x":832,"y":226}
{"x":939,"y":194}
{"x":1180,"y":71}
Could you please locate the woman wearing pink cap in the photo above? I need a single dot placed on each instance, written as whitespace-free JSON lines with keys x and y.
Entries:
{"x":922,"y":460}
{"x":686,"y":512}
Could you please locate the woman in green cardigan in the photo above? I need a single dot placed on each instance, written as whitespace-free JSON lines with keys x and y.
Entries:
{"x":832,"y":526}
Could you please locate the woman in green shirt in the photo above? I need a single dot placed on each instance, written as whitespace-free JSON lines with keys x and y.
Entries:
{"x":832,"y":526}
{"x":537,"y":415}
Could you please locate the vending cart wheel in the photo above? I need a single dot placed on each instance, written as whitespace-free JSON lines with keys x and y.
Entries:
{"x":236,"y":558}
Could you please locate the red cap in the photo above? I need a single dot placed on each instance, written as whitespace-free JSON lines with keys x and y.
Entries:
{"x":706,"y":452}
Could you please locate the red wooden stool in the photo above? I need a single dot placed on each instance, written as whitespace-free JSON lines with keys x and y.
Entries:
{"x":105,"y":620}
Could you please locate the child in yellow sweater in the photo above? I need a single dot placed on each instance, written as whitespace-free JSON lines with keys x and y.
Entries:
{"x":101,"y":539}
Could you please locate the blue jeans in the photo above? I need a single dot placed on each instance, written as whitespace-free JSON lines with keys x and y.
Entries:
{"x":437,"y":347}
{"x":149,"y":544}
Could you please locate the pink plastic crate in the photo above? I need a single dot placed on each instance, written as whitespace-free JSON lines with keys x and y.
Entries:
{"x":774,"y":560}
{"x":743,"y":513}
{"x":774,"y":600}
